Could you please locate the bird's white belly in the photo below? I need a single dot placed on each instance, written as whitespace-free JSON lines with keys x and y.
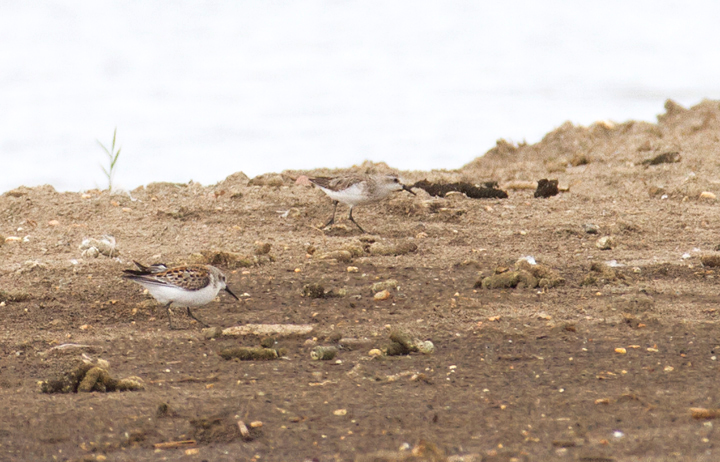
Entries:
{"x":182,"y":297}
{"x":354,"y":195}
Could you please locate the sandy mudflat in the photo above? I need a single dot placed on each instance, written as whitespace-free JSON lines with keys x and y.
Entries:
{"x":601,"y":366}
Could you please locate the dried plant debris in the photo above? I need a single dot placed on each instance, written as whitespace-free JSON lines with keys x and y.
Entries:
{"x":87,"y":377}
{"x":338,"y":255}
{"x":402,"y":343}
{"x":262,"y":248}
{"x":323,"y":353}
{"x":14,"y":296}
{"x":384,"y":285}
{"x":400,"y":248}
{"x":601,"y":274}
{"x":547,"y":188}
{"x":354,"y":250}
{"x":664,"y":158}
{"x":701,"y":413}
{"x":525,"y":275}
{"x":270,"y":179}
{"x":230,"y":260}
{"x":92,"y":248}
{"x":220,"y":429}
{"x":711,"y":261}
{"x":250,"y":353}
{"x":277,"y":330}
{"x":423,"y":451}
{"x":313,"y":290}
{"x":488,"y":190}
{"x":265,"y":352}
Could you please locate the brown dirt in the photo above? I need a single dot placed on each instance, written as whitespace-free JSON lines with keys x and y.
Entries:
{"x":517,"y":374}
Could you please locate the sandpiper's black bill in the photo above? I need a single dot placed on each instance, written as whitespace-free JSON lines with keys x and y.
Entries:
{"x":230,"y":292}
{"x":407,"y":188}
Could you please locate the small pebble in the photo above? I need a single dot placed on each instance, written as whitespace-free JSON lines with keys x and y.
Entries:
{"x":591,"y":228}
{"x":605,"y":243}
{"x":382,"y":295}
{"x":426,"y":347}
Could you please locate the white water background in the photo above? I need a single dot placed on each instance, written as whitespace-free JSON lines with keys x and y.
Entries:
{"x":199,"y":90}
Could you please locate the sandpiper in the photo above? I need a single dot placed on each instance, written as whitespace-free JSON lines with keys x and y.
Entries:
{"x":358,"y":190}
{"x":188,"y":286}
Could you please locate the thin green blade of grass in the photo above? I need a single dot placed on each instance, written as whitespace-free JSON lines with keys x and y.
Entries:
{"x":112,"y":156}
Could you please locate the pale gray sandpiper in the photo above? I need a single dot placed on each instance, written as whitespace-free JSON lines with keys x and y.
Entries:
{"x":185,"y":286}
{"x":358,"y":190}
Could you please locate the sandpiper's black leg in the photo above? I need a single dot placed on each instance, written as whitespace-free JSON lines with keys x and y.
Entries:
{"x":190,"y":313}
{"x":167,"y":307}
{"x":332,"y":220}
{"x":351,"y":219}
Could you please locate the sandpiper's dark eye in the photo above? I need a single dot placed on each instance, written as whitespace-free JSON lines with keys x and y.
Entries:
{"x":396,"y":180}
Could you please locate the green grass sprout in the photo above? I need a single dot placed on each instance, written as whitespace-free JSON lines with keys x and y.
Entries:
{"x":112,"y":159}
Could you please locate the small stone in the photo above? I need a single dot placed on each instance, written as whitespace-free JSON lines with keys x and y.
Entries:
{"x":352,"y":269}
{"x":340,"y":412}
{"x":383,"y":295}
{"x":256,"y":424}
{"x":620,"y":351}
{"x":303,"y":180}
{"x":262,"y":248}
{"x":605,"y":243}
{"x":425,"y":347}
{"x":375,"y":353}
{"x":590,"y":228}
{"x":707,"y":195}
{"x":53,"y":223}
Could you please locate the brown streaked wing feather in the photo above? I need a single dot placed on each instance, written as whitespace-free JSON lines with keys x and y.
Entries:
{"x":188,"y":277}
{"x":337,"y":183}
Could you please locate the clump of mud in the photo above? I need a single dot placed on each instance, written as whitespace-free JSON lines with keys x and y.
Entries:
{"x":487,"y":190}
{"x":87,"y":377}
